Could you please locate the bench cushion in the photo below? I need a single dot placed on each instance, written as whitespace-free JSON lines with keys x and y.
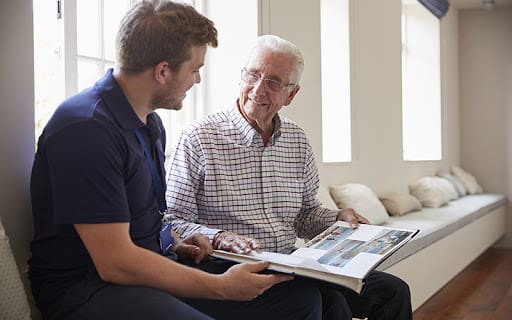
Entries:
{"x":437,"y":223}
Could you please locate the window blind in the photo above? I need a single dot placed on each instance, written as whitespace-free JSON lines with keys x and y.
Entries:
{"x":438,"y":7}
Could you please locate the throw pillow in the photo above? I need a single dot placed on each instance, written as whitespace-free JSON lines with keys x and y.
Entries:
{"x":448,"y":188}
{"x":457,"y":184}
{"x":430,"y":191}
{"x":467,"y":179}
{"x":398,"y":204}
{"x":360,"y":198}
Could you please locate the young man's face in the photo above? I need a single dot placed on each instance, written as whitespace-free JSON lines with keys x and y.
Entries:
{"x":179,"y":82}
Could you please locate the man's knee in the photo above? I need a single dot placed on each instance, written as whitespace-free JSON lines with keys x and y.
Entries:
{"x":299,"y":300}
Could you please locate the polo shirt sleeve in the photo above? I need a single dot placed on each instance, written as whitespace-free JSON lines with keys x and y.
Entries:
{"x":86,"y":172}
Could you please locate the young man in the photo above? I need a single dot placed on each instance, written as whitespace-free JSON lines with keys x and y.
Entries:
{"x":250,"y":176}
{"x":101,"y":249}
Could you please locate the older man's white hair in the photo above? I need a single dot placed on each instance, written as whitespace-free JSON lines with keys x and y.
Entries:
{"x":278,"y":44}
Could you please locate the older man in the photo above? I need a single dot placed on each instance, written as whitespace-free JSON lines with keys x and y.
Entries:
{"x":247,"y":178}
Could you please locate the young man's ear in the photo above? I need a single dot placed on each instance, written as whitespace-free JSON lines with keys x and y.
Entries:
{"x":161,"y":71}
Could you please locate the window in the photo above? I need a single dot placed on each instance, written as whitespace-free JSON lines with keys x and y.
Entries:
{"x":237,"y":26}
{"x":96,"y":27}
{"x":421,"y":83}
{"x":48,"y":66}
{"x":335,"y":55}
{"x":73,"y":52}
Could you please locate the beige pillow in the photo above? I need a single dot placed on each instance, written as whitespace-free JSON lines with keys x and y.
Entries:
{"x":360,"y":198}
{"x":431,"y":191}
{"x":398,"y":204}
{"x":467,"y":179}
{"x":325,"y":198}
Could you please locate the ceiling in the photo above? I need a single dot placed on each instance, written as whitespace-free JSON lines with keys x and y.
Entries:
{"x":477,"y":4}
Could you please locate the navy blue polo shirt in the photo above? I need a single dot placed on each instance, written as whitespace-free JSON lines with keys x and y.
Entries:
{"x":90,"y":168}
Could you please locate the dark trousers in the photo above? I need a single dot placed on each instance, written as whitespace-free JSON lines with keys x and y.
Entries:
{"x":93,"y":299}
{"x":296,"y":299}
{"x":384,"y":297}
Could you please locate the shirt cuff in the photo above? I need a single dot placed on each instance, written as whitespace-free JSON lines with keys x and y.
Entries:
{"x":331,"y":216}
{"x":210,"y":233}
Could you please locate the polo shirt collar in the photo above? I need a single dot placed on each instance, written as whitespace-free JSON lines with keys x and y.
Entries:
{"x":116,"y":101}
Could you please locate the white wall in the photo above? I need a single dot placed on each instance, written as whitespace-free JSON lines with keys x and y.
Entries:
{"x":486,"y":100}
{"x":16,"y":123}
{"x":376,"y":91}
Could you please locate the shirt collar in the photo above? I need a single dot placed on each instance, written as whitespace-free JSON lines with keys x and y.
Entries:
{"x":116,"y":101}
{"x":246,"y":131}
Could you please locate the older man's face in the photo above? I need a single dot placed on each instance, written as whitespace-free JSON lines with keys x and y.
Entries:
{"x":260,"y":101}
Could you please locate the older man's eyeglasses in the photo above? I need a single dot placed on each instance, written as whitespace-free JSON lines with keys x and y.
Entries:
{"x":253,"y":78}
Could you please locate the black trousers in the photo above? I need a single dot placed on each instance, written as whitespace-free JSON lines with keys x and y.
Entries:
{"x":93,"y":299}
{"x":383,"y":297}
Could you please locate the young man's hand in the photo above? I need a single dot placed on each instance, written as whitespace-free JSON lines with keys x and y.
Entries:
{"x":243,"y":282}
{"x":196,"y":247}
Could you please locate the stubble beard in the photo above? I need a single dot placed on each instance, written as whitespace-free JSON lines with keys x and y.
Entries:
{"x":166,"y":103}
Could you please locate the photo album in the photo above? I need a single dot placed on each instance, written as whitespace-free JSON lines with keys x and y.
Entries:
{"x":340,"y":255}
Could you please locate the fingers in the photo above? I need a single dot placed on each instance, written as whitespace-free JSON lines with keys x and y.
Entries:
{"x":256,"y":267}
{"x":352,"y":217}
{"x":195,"y":253}
{"x":353,"y":221}
{"x":203,"y":247}
{"x":280,"y":277}
{"x":196,"y":247}
{"x":274,"y":278}
{"x":249,"y":282}
{"x":232,"y":242}
{"x":254,"y":244}
{"x":363,"y":219}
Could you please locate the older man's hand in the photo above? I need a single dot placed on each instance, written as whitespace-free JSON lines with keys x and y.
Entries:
{"x":232,"y":242}
{"x":352,"y":217}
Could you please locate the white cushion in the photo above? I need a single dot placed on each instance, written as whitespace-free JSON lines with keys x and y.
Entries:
{"x":467,"y":179}
{"x":13,"y":299}
{"x":448,"y":189}
{"x":457,"y":184}
{"x":398,"y":204}
{"x":325,"y":198}
{"x":360,"y":198}
{"x":432,"y":191}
